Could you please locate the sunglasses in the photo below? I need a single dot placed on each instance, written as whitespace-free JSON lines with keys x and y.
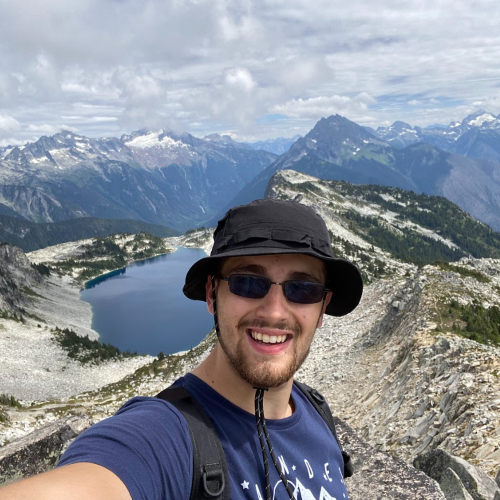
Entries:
{"x":256,"y":287}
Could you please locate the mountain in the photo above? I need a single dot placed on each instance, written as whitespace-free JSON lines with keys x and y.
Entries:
{"x":477,"y":136}
{"x":339,"y":149}
{"x":478,"y":143}
{"x":277,"y":146}
{"x":160,"y":177}
{"x":31,"y":235}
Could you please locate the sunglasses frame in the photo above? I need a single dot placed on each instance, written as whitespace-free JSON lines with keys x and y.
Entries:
{"x":282,"y":284}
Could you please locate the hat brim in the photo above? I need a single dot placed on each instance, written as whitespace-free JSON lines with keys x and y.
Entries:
{"x":343,"y":277}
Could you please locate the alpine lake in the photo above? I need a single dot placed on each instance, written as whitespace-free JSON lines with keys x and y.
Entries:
{"x":141,"y":307}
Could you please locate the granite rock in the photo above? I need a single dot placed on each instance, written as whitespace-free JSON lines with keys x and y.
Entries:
{"x":39,"y":451}
{"x":379,"y":476}
{"x":438,"y":464}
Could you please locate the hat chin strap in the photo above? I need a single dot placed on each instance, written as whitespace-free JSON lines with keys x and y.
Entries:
{"x":259,"y":418}
{"x":214,"y":305}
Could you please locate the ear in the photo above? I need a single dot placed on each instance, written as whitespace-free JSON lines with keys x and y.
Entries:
{"x":209,"y":295}
{"x":323,"y":309}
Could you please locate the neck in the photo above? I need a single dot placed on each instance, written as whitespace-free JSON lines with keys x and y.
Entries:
{"x":218,"y":373}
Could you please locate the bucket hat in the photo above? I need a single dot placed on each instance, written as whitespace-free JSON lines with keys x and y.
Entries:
{"x":269,"y":227}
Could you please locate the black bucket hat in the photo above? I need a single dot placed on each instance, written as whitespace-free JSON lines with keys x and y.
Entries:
{"x":265,"y":227}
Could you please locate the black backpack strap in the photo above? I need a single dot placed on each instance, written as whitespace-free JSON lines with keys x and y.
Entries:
{"x":210,"y":473}
{"x":319,"y":402}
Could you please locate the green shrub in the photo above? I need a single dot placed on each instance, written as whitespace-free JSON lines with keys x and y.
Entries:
{"x":42,"y":269}
{"x":86,"y":350}
{"x":7,"y":400}
{"x":476,"y":322}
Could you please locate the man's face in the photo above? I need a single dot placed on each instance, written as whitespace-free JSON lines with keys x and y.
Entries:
{"x":266,"y":340}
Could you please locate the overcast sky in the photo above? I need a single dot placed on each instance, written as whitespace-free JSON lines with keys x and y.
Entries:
{"x":253,"y":69}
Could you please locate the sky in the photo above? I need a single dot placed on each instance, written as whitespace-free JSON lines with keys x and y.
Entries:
{"x":254,"y":70}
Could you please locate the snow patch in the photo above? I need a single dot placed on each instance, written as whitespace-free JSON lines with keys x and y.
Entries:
{"x":486,"y":117}
{"x":388,"y":197}
{"x":152,"y":140}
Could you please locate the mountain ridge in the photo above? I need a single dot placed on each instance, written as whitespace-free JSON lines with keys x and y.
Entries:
{"x":339,"y":149}
{"x":162,"y":178}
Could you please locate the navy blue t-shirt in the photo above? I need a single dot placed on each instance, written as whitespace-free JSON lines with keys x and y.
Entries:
{"x":147,"y":445}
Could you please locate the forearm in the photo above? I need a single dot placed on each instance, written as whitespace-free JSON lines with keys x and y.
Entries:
{"x":83,"y":481}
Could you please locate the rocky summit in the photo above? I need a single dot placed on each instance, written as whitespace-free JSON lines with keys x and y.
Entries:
{"x":412,"y":373}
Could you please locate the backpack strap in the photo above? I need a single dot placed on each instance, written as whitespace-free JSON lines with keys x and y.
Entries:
{"x":210,"y":473}
{"x":319,"y":402}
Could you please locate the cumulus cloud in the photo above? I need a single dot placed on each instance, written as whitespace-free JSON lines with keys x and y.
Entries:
{"x":239,"y":78}
{"x":213,"y":65}
{"x":322,"y":106}
{"x":8,"y":124}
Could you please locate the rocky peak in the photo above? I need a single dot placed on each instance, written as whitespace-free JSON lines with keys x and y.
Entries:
{"x":481,"y":119}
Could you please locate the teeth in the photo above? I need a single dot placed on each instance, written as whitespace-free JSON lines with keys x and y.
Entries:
{"x":266,"y":339}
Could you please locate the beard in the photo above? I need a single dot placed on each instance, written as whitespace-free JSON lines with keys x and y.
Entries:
{"x":263,"y":374}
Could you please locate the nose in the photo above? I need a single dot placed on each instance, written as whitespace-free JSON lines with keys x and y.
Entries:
{"x":274,"y":305}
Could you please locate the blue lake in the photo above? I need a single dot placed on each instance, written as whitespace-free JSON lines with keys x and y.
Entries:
{"x":142,"y":308}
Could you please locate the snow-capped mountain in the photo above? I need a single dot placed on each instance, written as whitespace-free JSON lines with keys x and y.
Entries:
{"x":477,"y":136}
{"x":157,"y":176}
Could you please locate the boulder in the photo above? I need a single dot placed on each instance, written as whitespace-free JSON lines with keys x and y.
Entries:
{"x":452,"y":486}
{"x":436,"y":464}
{"x":378,"y":476}
{"x":39,"y":451}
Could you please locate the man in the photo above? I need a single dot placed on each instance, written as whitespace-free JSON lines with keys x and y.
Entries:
{"x":269,"y":280}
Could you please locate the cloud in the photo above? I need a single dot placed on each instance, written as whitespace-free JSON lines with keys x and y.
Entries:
{"x":239,"y":78}
{"x":213,"y":65}
{"x":318,"y":107}
{"x":46,"y":129}
{"x":8,"y":124}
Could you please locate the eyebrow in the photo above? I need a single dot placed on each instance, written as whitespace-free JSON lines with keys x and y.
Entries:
{"x":262,"y":271}
{"x":248,"y":268}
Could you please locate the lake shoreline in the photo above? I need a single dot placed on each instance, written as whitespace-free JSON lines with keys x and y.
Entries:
{"x":141,"y":308}
{"x":34,"y":368}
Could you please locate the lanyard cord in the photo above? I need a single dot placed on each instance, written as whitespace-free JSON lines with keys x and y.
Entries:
{"x":262,"y":429}
{"x":259,"y":396}
{"x":214,"y":304}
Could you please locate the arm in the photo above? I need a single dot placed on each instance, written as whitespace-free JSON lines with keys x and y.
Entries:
{"x":81,"y":481}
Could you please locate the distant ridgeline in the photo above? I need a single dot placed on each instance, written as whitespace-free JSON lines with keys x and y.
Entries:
{"x":404,"y":238}
{"x":378,"y":226}
{"x":31,"y":235}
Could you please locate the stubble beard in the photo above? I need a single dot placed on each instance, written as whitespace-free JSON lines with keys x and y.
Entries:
{"x":265,"y":373}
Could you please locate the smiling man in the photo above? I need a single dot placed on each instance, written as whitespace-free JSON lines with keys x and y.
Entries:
{"x":268,"y":282}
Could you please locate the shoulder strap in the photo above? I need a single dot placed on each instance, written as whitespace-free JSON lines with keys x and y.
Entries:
{"x":319,"y":402}
{"x":210,"y":473}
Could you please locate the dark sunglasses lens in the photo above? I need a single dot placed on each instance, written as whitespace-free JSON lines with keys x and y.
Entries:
{"x":304,"y":292}
{"x":251,"y":287}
